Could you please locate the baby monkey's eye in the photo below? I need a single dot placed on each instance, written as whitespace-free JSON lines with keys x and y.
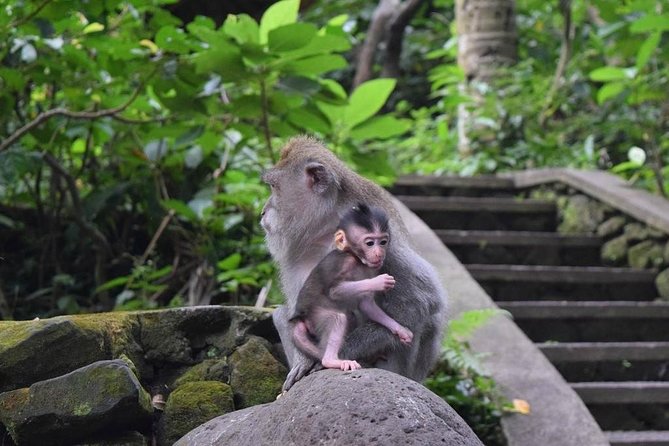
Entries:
{"x":369,"y":243}
{"x":384,"y":242}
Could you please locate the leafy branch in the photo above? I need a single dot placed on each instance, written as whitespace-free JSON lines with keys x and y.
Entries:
{"x":60,"y":111}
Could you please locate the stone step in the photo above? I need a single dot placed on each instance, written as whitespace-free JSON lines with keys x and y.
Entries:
{"x":534,"y":282}
{"x":561,"y":274}
{"x":517,"y":238}
{"x":605,"y":351}
{"x":587,"y":310}
{"x":487,"y":185}
{"x":483,"y":213}
{"x":609,"y":361}
{"x":478,"y":204}
{"x":638,"y":438}
{"x":630,"y":392}
{"x":591,"y":321}
{"x":522,"y":247}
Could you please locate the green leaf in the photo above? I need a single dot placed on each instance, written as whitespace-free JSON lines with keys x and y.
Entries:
{"x":469,"y":321}
{"x":180,"y":208}
{"x":225,"y":60}
{"x":242,"y":28}
{"x":646,"y":50}
{"x":315,"y":65}
{"x":333,"y":87}
{"x":610,"y":90}
{"x":367,"y":100}
{"x":93,"y":28}
{"x":334,"y":113}
{"x":291,"y":37}
{"x":309,"y":120}
{"x":319,"y":44}
{"x":118,"y":281}
{"x":625,"y":166}
{"x":172,"y":39}
{"x":606,"y":74}
{"x":157,"y":274}
{"x":279,"y":14}
{"x":650,"y":22}
{"x":230,"y":263}
{"x":381,"y":127}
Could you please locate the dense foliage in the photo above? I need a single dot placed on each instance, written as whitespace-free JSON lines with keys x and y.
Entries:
{"x":133,"y":144}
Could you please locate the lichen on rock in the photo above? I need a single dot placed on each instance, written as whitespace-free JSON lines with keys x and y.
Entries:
{"x":256,"y":375}
{"x":192,"y":404}
{"x":102,"y":396}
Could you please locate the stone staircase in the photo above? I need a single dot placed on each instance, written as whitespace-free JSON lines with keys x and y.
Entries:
{"x":599,"y":326}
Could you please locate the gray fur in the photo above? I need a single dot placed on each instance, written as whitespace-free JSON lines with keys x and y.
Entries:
{"x":300,"y":224}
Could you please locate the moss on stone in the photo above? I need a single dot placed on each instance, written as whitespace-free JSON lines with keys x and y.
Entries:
{"x":662,"y":284}
{"x":580,"y":215}
{"x":82,"y":409}
{"x":257,"y":376}
{"x":191,"y":405}
{"x":611,"y":227}
{"x":615,"y":251}
{"x":647,"y":254}
{"x":208,"y":370}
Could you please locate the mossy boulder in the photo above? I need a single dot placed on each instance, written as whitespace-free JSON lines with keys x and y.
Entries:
{"x":580,"y":215}
{"x":665,"y":253}
{"x":173,"y":336}
{"x":611,"y":227}
{"x":615,"y":250}
{"x":662,"y":284}
{"x":256,"y":375}
{"x":208,"y":370}
{"x":331,"y":407}
{"x":36,"y":350}
{"x":99,"y":398}
{"x":636,"y":232}
{"x":192,"y":404}
{"x":647,"y":254}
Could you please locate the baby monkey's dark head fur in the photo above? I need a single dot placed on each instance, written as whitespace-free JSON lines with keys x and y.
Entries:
{"x":364,"y":231}
{"x":369,"y":217}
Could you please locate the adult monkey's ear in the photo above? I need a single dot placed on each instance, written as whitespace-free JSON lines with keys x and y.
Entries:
{"x":319,"y":177}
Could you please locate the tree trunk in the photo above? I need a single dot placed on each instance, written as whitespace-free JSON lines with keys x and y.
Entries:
{"x":486,"y":40}
{"x":486,"y":36}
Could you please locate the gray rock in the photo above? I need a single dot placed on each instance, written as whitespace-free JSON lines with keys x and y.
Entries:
{"x":615,"y":250}
{"x":662,"y":284}
{"x":192,"y":404}
{"x":102,"y":397}
{"x":330,"y":407}
{"x":580,"y":215}
{"x":636,"y":232}
{"x":208,"y":370}
{"x":256,"y":376}
{"x":36,"y":350}
{"x":612,"y":226}
{"x":647,"y":254}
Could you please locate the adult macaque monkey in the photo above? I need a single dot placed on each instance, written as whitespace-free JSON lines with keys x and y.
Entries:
{"x":346,"y":279}
{"x":310,"y":191}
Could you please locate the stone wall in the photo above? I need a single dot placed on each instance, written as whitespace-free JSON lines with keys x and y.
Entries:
{"x":135,"y":378}
{"x":627,"y":241}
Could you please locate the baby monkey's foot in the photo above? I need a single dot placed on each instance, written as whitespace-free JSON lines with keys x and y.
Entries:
{"x":343,"y":364}
{"x":405,"y":335}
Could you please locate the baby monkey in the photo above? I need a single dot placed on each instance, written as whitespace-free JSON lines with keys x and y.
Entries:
{"x":346,"y":279}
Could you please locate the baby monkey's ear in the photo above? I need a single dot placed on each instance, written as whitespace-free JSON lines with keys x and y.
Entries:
{"x":340,"y":240}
